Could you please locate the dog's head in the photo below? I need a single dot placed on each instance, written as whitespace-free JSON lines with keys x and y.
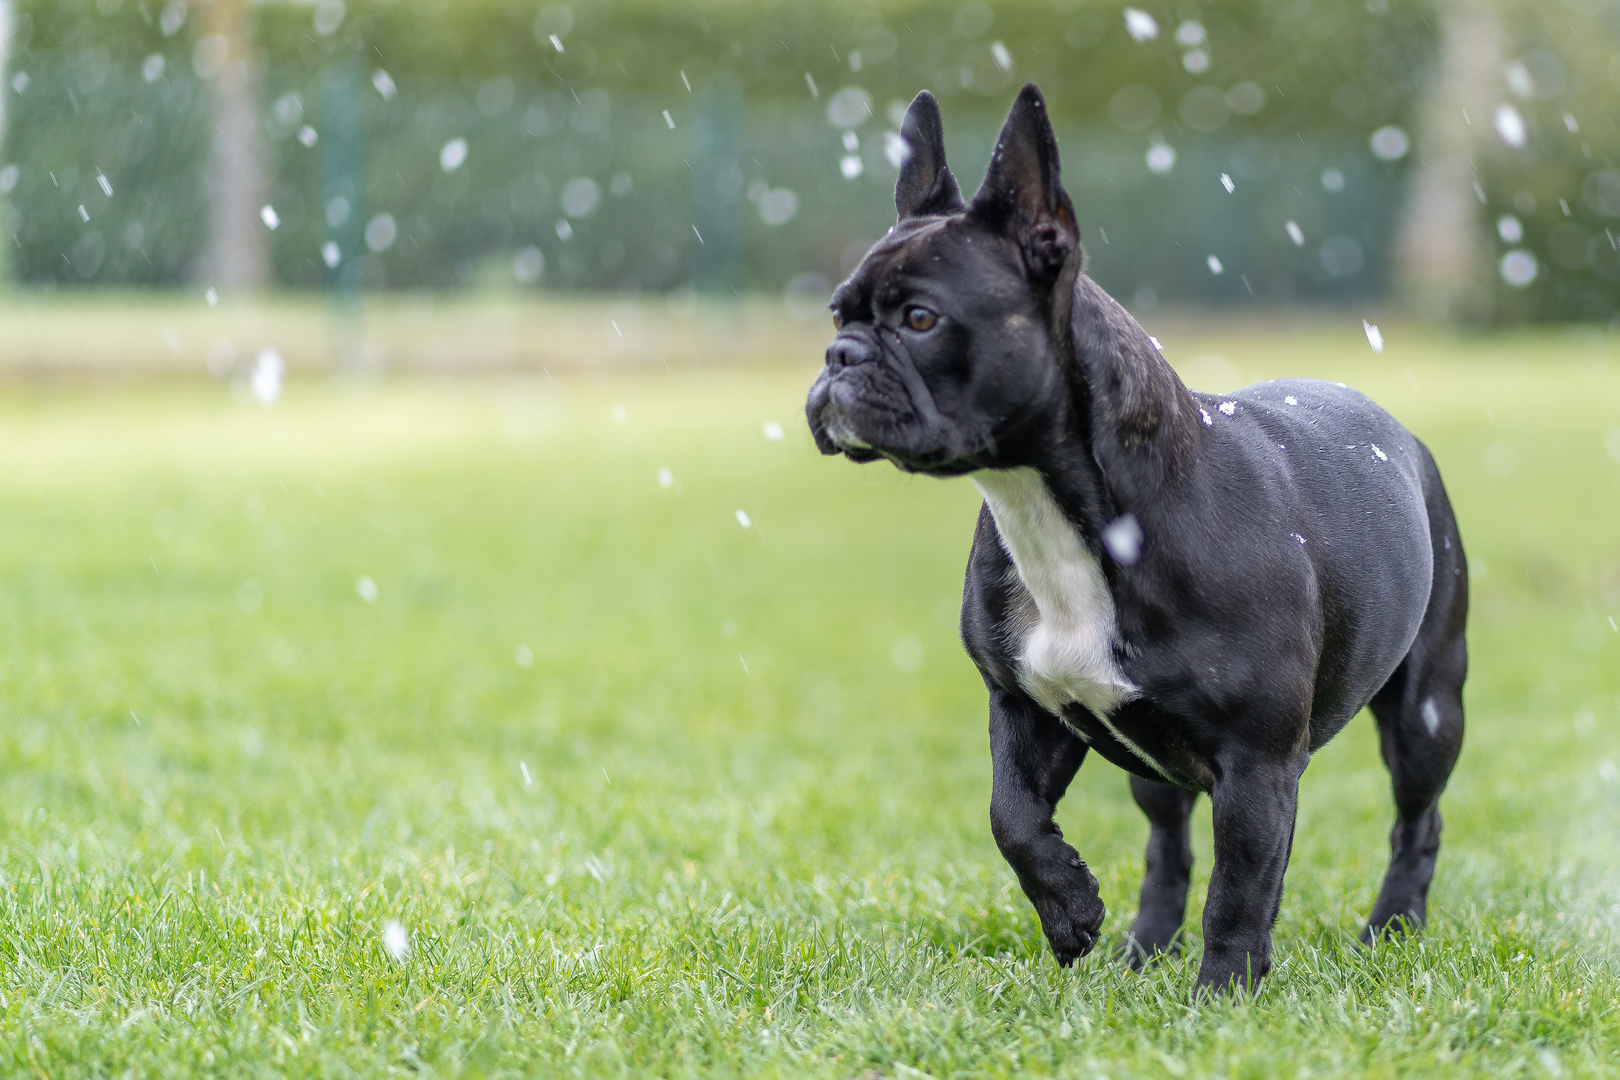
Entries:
{"x":945,"y":353}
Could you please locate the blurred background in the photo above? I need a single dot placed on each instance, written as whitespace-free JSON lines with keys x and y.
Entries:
{"x":1454,"y":159}
{"x":417,"y":578}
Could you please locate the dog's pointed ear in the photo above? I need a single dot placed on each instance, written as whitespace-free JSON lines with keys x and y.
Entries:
{"x":1022,"y":194}
{"x":926,"y":185}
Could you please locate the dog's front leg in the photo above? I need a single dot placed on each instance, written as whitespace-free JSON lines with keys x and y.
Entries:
{"x":1253,"y":803}
{"x":1034,"y":757}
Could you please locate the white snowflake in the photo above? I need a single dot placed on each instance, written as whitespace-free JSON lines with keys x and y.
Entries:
{"x":395,"y":941}
{"x":1140,"y":25}
{"x":1375,"y":337}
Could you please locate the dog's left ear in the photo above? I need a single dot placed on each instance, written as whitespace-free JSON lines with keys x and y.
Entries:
{"x":1022,"y":195}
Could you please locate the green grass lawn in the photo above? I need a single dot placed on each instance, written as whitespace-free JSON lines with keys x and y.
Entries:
{"x":649,"y":792}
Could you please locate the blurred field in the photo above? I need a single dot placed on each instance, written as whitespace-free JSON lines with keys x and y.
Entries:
{"x":145,"y":334}
{"x":752,"y":839}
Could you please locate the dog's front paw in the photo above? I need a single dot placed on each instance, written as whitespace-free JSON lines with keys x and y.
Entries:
{"x":1072,"y":925}
{"x":1072,"y":917}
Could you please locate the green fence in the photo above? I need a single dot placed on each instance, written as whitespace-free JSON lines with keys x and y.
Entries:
{"x":747,"y":148}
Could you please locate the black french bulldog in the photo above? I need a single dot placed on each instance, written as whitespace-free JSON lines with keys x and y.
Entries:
{"x":1202,"y":589}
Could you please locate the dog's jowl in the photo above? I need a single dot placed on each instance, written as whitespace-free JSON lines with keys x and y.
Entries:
{"x":1203,"y":590}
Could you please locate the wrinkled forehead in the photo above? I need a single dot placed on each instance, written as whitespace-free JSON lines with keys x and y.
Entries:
{"x":914,"y":248}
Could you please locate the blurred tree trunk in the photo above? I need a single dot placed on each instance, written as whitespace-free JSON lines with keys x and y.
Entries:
{"x":238,"y":186}
{"x":1444,"y":261}
{"x":7,"y":22}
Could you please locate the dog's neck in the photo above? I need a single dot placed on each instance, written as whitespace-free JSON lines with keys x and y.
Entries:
{"x":1131,"y":424}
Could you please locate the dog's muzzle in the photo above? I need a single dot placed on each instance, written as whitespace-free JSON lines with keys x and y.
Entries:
{"x":830,"y":425}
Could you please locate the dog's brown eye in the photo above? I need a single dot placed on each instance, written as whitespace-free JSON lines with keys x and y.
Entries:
{"x":920,"y":319}
{"x":838,"y":320}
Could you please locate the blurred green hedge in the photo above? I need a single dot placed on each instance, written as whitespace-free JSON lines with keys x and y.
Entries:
{"x":572,"y":176}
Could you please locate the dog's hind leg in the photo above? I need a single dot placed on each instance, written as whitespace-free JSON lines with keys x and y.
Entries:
{"x":1033,"y":758}
{"x":1420,"y":728}
{"x":1169,"y":868}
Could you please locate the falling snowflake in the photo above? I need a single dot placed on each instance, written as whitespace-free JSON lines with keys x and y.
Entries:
{"x":1519,"y":268}
{"x":366,"y":589}
{"x":895,"y":149}
{"x":1389,"y":143}
{"x":1295,"y":233}
{"x":1161,"y":158}
{"x":1374,"y":337}
{"x":1140,"y":25}
{"x":1509,"y":123}
{"x":1226,"y":182}
{"x":744,"y":520}
{"x":773,"y":431}
{"x":330,"y":255}
{"x":453,"y":155}
{"x":395,"y":941}
{"x":268,"y":215}
{"x":1123,"y":539}
{"x":384,"y":84}
{"x":266,"y":378}
{"x":1215,"y":266}
{"x":1002,"y":58}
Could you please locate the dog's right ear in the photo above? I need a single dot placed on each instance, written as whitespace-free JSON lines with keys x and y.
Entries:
{"x":926,"y":185}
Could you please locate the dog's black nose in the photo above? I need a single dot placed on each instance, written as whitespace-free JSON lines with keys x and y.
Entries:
{"x":847,"y":352}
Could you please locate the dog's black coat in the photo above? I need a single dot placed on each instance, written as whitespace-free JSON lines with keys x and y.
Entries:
{"x":1297,"y":556}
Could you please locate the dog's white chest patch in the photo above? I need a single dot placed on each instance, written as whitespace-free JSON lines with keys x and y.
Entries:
{"x":1067,"y":651}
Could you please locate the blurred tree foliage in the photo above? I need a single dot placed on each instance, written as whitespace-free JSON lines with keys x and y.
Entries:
{"x":1556,"y":195}
{"x":644,"y":145}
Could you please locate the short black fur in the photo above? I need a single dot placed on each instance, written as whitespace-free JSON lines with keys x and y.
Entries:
{"x":1226,"y":581}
